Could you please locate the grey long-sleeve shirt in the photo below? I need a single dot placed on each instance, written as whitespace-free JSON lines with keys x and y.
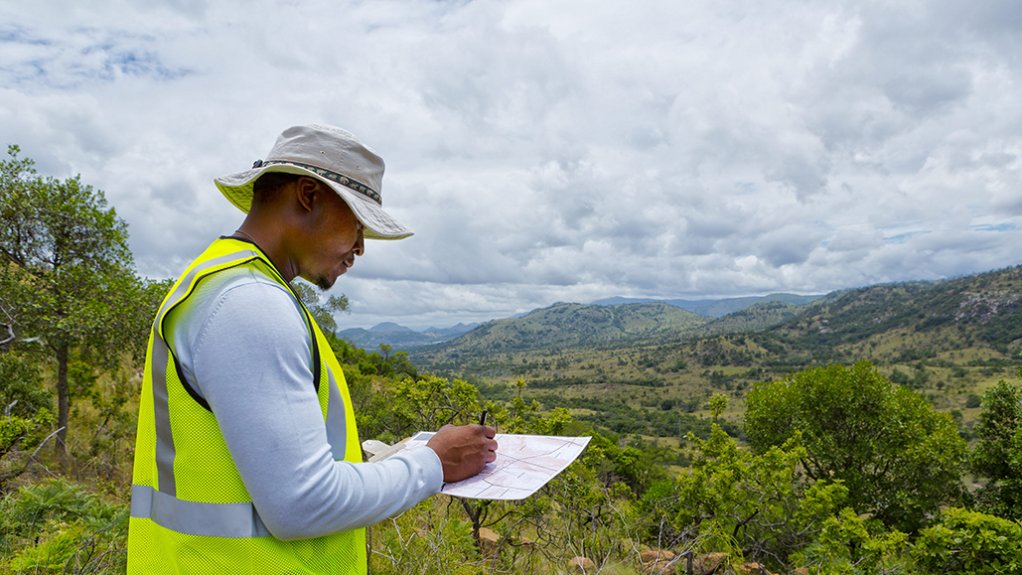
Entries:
{"x":246,"y":349}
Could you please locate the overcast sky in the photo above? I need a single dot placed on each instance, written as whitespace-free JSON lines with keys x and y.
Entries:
{"x":552,"y":151}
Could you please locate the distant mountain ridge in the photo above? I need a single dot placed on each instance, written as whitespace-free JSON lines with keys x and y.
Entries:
{"x":884,"y":321}
{"x":405,"y":339}
{"x":983,"y":309}
{"x":399,"y":337}
{"x":565,"y":325}
{"x":716,"y":308}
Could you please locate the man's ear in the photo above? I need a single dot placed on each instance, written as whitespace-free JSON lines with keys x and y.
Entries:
{"x":306,"y":189}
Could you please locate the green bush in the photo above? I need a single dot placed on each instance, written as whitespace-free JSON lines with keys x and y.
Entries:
{"x":968,"y":542}
{"x":759,"y":506}
{"x":850,"y":544}
{"x":21,"y":386}
{"x":402,"y":547}
{"x":25,"y":417}
{"x":997,"y":458}
{"x":899,"y":458}
{"x":56,"y":526}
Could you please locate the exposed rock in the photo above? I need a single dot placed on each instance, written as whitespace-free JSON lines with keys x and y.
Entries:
{"x":489,"y":541}
{"x":985,"y":305}
{"x":708,"y":564}
{"x":755,"y":569}
{"x":656,"y":560}
{"x":581,"y":565}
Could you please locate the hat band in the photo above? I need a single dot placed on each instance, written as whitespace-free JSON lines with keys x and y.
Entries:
{"x":333,"y":177}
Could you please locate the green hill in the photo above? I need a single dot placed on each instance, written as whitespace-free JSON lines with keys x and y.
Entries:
{"x":980,"y":311}
{"x":715,"y":308}
{"x":568,"y":325}
{"x":949,"y":339}
{"x":757,"y":317}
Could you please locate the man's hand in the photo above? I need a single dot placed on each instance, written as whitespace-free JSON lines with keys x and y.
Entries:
{"x":463,"y":450}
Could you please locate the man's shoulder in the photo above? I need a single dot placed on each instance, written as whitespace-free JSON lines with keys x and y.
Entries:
{"x":250,"y":281}
{"x":253,"y":272}
{"x":231,"y":295}
{"x":253,"y":283}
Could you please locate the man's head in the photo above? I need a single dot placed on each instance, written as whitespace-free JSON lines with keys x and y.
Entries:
{"x":311,"y":218}
{"x":304,"y":227}
{"x":336,"y":159}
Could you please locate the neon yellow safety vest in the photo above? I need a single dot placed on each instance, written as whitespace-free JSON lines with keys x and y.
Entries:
{"x":190,"y":512}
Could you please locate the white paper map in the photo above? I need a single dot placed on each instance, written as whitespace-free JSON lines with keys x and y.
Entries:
{"x":524,"y":464}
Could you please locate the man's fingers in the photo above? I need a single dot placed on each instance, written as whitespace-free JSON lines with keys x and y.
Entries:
{"x":464,"y":450}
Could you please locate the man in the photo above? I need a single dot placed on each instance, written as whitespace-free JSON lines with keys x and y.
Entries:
{"x":247,"y":458}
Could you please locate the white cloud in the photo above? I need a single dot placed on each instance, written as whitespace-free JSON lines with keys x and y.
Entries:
{"x":548,"y":152}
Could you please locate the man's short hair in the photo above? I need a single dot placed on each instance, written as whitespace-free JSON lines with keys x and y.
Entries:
{"x":266,"y":187}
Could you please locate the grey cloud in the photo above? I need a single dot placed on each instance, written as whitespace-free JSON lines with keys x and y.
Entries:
{"x":81,"y":56}
{"x":553,"y":151}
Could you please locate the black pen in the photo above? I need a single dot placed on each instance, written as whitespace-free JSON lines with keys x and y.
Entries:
{"x":482,"y":418}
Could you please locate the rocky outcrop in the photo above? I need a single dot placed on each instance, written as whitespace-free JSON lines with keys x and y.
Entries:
{"x":657,"y":561}
{"x":581,"y":565}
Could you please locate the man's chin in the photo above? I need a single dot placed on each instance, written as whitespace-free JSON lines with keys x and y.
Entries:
{"x":324,"y":283}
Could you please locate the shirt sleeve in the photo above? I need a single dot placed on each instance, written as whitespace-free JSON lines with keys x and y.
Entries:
{"x":251,"y":359}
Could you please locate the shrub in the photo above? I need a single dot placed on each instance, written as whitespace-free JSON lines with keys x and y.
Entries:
{"x":966,"y":542}
{"x":57,"y":527}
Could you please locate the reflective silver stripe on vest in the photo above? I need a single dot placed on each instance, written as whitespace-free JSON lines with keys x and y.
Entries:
{"x":164,"y":438}
{"x":234,"y":520}
{"x":336,"y":432}
{"x":165,"y":450}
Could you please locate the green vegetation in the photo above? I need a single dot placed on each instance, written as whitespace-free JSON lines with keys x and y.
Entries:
{"x":67,"y":273}
{"x":998,"y":454}
{"x":899,"y":459}
{"x":871,"y":431}
{"x":55,"y":526}
{"x":567,"y":325}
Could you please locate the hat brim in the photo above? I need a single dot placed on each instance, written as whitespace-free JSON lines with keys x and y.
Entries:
{"x":379,"y":225}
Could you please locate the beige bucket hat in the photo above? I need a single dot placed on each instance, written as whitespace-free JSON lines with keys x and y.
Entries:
{"x":334,"y":157}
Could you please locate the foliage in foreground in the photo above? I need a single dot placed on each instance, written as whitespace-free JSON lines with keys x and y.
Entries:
{"x":56,"y":526}
{"x":899,"y":458}
{"x":25,"y":419}
{"x":729,"y":506}
{"x":998,"y":454}
{"x":67,"y":276}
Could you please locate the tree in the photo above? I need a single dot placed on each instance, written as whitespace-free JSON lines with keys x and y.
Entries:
{"x":67,"y":272}
{"x":998,"y":454}
{"x":25,"y":419}
{"x":756,"y":506}
{"x":898,"y":457}
{"x":323,"y":313}
{"x":717,"y":404}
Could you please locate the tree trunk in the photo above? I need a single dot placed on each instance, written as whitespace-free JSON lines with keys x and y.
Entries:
{"x":8,"y":337}
{"x":475,"y":515}
{"x":63,"y":400}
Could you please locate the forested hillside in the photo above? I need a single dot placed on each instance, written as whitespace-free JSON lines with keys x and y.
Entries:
{"x":981,"y":310}
{"x":715,"y":308}
{"x":568,"y":325}
{"x":877,"y":430}
{"x":947,"y":339}
{"x":398,"y":337}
